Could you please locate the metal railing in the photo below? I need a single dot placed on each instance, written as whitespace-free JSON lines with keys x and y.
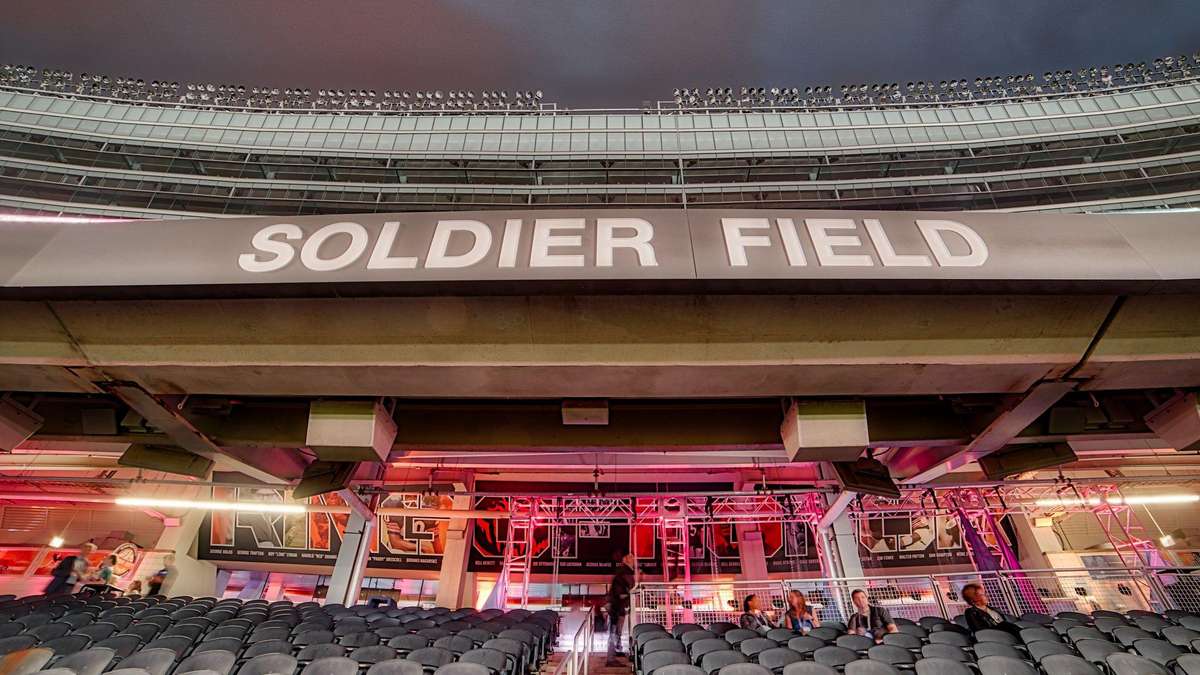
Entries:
{"x":578,"y":656}
{"x":914,"y":596}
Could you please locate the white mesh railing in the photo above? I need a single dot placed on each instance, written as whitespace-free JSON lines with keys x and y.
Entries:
{"x":916,"y":596}
{"x":909,"y":597}
{"x":702,"y":603}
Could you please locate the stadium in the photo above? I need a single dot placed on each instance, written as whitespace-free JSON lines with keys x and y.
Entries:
{"x":394,"y":381}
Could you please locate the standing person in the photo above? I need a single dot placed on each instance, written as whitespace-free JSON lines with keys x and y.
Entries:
{"x":101,"y":580}
{"x":69,"y":571}
{"x":870,"y":620}
{"x":799,"y":617}
{"x":753,"y":618}
{"x":619,"y":592}
{"x":979,"y":616}
{"x":155,"y":584}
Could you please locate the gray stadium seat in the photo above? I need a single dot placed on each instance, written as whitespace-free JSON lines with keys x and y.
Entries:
{"x":677,"y":669}
{"x":777,"y":658}
{"x":269,"y":664}
{"x":16,"y":643}
{"x":835,"y":656}
{"x":321,"y":651}
{"x":993,"y":635}
{"x":1042,"y":649}
{"x":396,"y":667}
{"x":652,"y":662}
{"x":1096,"y":651}
{"x":331,"y":665}
{"x":744,"y":669}
{"x":1068,"y":664}
{"x":155,"y":661}
{"x":87,"y":662}
{"x":940,"y":666}
{"x":903,"y":640}
{"x":934,"y":651}
{"x":267,"y":647}
{"x":1122,"y":663}
{"x":431,"y":658}
{"x":496,"y":662}
{"x":715,"y":661}
{"x":461,"y":669}
{"x":701,"y":647}
{"x":218,"y":662}
{"x":737,"y":635}
{"x":1004,"y":665}
{"x":949,"y":638}
{"x":869,"y":667}
{"x":857,"y":643}
{"x":691,"y":637}
{"x":983,"y":649}
{"x":1159,"y":651}
{"x":805,"y":644}
{"x":1188,"y":664}
{"x":809,"y":668}
{"x":891,"y":655}
{"x":752,"y":647}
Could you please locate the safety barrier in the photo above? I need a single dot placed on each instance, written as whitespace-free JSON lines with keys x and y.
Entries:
{"x":578,"y":656}
{"x":914,"y":596}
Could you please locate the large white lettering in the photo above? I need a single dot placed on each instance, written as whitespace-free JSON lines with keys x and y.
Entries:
{"x":310,"y":255}
{"x":977,"y":250}
{"x":544,"y":238}
{"x":439,"y":256}
{"x":639,"y":241}
{"x":736,"y":242}
{"x":823,"y":242}
{"x":264,"y":241}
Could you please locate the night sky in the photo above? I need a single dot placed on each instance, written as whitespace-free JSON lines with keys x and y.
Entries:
{"x":587,"y":53}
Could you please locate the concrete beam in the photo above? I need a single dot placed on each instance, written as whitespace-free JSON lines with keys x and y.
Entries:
{"x":837,"y":506}
{"x":999,"y":433}
{"x":356,"y":504}
{"x":181,"y":431}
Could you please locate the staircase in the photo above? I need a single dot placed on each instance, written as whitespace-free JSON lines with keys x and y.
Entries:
{"x":595,"y":665}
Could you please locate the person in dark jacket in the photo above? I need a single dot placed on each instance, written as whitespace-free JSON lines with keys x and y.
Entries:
{"x":979,"y":616}
{"x":870,"y":620}
{"x":69,"y":571}
{"x":619,"y":592}
{"x":753,"y":618}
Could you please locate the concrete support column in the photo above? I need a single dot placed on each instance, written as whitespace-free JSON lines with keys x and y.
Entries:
{"x":345,"y":584}
{"x":456,"y":587}
{"x":191,"y":576}
{"x":843,"y":544}
{"x":1034,"y":544}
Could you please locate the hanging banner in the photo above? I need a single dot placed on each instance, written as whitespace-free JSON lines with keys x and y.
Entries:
{"x":789,"y":548}
{"x":913,"y":540}
{"x":402,"y":542}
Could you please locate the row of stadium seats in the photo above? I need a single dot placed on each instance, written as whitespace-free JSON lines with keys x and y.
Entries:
{"x":1082,"y":81}
{"x":89,"y":635}
{"x":241,"y":96}
{"x":1069,"y":643}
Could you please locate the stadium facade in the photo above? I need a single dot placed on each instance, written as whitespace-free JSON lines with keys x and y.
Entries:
{"x":495,"y":340}
{"x":1108,"y":146}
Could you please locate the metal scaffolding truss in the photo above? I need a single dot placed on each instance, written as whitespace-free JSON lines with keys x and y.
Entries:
{"x":802,"y":507}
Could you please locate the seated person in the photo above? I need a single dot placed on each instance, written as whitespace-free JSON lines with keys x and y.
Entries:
{"x":870,"y":620}
{"x":979,"y":616}
{"x":799,"y":617}
{"x":753,"y":617}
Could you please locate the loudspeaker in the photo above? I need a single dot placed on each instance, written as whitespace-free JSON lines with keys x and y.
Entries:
{"x":171,"y":460}
{"x":815,"y":431}
{"x":321,"y":477}
{"x":1022,"y":458}
{"x":1177,"y":422}
{"x":868,"y":476}
{"x":350,"y":431}
{"x":17,"y":424}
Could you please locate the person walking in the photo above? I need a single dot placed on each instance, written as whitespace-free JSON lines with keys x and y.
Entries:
{"x":101,"y":580}
{"x":619,"y":592}
{"x":69,"y":571}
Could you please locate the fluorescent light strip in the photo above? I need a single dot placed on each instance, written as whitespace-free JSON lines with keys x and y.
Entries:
{"x":1133,"y":500}
{"x":254,"y":507}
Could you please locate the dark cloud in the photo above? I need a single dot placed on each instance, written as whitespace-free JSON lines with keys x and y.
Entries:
{"x":587,"y":52}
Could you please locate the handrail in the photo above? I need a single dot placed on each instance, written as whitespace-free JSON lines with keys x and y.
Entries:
{"x":578,"y":658}
{"x":1014,"y":591}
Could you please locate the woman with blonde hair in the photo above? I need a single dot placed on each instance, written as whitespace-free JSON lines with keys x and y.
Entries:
{"x":799,"y":617}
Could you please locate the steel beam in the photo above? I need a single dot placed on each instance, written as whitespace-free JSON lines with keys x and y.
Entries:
{"x":1002,"y":430}
{"x":181,"y":431}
